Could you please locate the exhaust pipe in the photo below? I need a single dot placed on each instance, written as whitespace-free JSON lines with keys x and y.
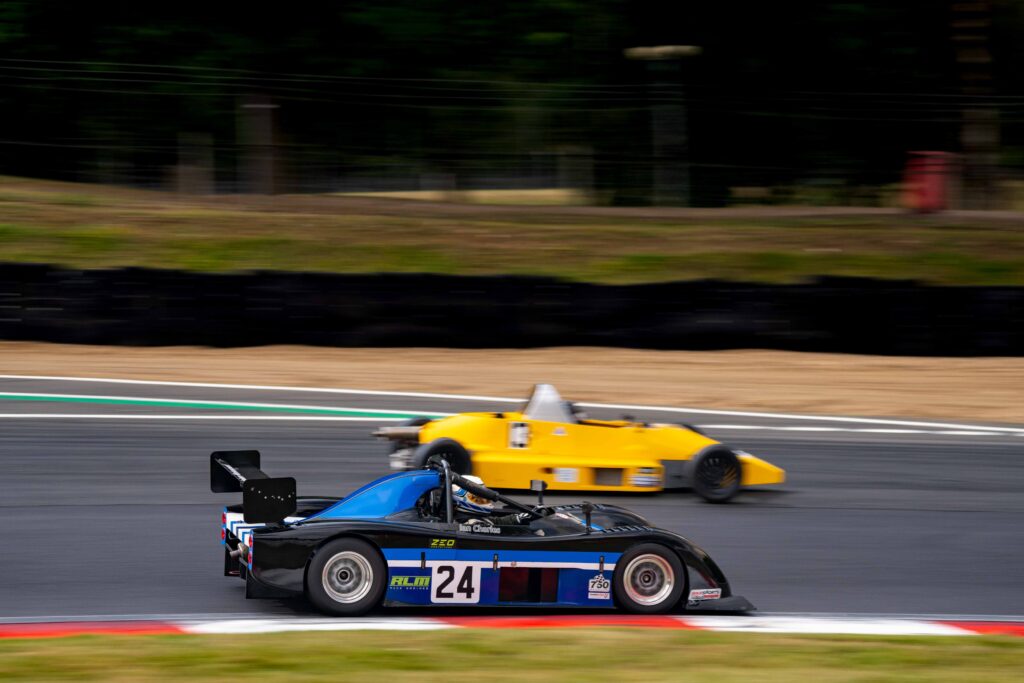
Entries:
{"x":399,"y":433}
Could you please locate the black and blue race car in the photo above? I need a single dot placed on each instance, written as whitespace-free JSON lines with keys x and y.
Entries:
{"x":401,"y":540}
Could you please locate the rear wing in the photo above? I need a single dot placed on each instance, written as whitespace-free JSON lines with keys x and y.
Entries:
{"x":265,"y":499}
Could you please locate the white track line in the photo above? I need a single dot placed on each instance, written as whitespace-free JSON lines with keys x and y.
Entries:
{"x":829,"y":625}
{"x":820,"y":418}
{"x":772,"y":428}
{"x":498,"y":399}
{"x":224,"y":624}
{"x":268,"y":387}
{"x":346,"y":418}
{"x":201,"y":617}
{"x":261,"y":418}
{"x":211,"y":404}
{"x":772,"y":622}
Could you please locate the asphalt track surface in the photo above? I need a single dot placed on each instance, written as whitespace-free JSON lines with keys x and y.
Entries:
{"x":113,"y":516}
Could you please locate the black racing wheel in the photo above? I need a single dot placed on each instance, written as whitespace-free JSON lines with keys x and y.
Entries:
{"x":649,"y":579}
{"x":715,"y":474}
{"x":346,"y":578}
{"x":448,"y":449}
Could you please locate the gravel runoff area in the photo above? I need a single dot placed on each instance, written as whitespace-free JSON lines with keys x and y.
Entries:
{"x":773,"y":381}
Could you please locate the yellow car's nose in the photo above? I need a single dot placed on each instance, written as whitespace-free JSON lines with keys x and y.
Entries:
{"x":757,"y":471}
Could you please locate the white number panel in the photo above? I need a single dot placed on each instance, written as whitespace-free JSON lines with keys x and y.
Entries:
{"x":455,"y":583}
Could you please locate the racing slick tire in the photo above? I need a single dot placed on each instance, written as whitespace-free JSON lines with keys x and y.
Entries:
{"x":648,"y":579}
{"x":347,"y":577}
{"x":715,"y":474}
{"x":448,"y":449}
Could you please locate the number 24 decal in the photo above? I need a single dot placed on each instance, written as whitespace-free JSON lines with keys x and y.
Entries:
{"x":455,"y":582}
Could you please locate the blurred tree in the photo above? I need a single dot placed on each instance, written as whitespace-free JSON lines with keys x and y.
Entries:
{"x":825,"y":92}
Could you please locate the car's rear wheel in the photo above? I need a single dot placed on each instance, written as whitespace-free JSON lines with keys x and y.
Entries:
{"x":448,"y":449}
{"x":649,"y":579}
{"x":347,"y":577}
{"x":716,"y":475}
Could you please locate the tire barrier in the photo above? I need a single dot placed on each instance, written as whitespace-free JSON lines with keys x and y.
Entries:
{"x":134,"y":306}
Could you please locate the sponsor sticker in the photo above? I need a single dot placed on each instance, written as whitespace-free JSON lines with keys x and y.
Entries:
{"x":479,"y":529}
{"x":442,"y":543}
{"x":599,"y":588}
{"x":518,"y":435}
{"x":646,"y":476}
{"x":567,"y":475}
{"x":706,"y":594}
{"x":422,"y":582}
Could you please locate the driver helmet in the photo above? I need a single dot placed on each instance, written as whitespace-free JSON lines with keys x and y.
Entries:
{"x":471,"y":502}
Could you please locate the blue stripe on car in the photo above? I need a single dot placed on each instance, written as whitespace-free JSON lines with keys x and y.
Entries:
{"x":567,"y":556}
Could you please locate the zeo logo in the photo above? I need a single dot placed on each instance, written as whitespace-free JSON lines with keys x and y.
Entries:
{"x":442,"y":543}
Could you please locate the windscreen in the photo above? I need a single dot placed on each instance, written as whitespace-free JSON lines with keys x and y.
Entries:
{"x":546,"y":404}
{"x":384,"y":497}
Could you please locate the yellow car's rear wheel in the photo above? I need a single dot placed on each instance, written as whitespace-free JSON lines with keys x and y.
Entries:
{"x":448,"y":449}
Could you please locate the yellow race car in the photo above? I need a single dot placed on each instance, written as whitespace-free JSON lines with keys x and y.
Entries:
{"x":552,"y":442}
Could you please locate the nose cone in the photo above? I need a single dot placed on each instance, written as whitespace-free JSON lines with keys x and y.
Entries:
{"x":758,"y":472}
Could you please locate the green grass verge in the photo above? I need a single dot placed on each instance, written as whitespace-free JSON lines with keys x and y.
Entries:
{"x":96,"y":227}
{"x":497,"y":656}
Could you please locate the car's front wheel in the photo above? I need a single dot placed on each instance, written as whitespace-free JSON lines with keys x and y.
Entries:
{"x":649,"y":579}
{"x":347,"y":577}
{"x":716,"y":475}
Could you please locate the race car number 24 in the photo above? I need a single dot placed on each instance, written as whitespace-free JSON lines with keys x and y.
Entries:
{"x":455,"y":583}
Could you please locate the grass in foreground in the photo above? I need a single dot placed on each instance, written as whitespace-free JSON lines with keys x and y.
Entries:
{"x":497,"y":656}
{"x":95,"y":227}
